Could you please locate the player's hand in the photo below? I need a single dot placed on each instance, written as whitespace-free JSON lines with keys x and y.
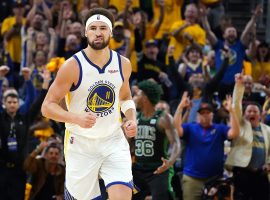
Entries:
{"x":165,"y":166}
{"x":130,"y":128}
{"x":86,"y":120}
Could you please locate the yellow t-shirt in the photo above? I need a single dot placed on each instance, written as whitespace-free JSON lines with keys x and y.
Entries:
{"x":180,"y":42}
{"x":172,"y":13}
{"x":13,"y":46}
{"x":120,"y":5}
{"x":247,"y":67}
{"x":260,"y":68}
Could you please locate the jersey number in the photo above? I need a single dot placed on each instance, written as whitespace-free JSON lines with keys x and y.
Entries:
{"x":144,"y":148}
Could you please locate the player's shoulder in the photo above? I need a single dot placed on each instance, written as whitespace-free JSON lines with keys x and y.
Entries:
{"x":70,"y":63}
{"x":124,"y":60}
{"x":165,"y":119}
{"x":126,"y":64}
{"x":69,"y":69}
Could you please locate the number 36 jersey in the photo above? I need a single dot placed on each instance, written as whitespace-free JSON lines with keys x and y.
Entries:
{"x":151,"y":142}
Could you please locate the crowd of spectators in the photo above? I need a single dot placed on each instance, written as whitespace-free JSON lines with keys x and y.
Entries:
{"x":190,"y":47}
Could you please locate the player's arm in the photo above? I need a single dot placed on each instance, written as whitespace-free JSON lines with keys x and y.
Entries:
{"x":126,"y":102}
{"x":51,"y":108}
{"x":60,"y":87}
{"x":166,"y":123}
{"x":67,"y":75}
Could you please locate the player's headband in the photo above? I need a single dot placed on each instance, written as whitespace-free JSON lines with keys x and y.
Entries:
{"x":98,"y":18}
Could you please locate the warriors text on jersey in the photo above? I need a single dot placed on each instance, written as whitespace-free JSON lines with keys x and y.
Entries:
{"x":97,"y":92}
{"x":151,"y":142}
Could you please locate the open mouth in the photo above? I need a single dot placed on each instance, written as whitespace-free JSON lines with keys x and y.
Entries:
{"x":251,"y":119}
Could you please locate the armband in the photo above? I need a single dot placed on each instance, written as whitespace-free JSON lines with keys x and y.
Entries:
{"x":128,"y":104}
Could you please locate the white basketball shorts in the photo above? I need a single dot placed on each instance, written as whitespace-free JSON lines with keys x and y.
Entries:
{"x":87,"y":159}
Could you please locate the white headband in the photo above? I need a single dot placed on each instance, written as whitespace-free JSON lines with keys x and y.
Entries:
{"x":98,"y":18}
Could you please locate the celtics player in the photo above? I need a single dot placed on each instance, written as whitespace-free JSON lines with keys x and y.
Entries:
{"x":156,"y":133}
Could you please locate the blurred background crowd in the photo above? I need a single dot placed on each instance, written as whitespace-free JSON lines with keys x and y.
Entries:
{"x":196,"y":46}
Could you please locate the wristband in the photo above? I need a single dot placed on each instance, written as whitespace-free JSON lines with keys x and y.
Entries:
{"x":128,"y":104}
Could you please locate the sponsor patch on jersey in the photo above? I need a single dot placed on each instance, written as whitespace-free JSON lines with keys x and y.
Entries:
{"x":101,"y":99}
{"x":153,"y":121}
{"x":111,"y":71}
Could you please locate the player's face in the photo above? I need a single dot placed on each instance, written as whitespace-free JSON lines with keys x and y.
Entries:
{"x":98,"y":35}
{"x":138,"y":98}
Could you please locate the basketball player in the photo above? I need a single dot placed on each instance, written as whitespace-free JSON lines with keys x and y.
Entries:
{"x":95,"y":82}
{"x":152,"y":168}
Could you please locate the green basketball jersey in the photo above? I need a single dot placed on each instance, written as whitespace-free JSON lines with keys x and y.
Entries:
{"x":151,"y":142}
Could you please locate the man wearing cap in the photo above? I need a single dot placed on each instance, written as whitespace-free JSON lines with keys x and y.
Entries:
{"x":95,"y":82}
{"x":148,"y":64}
{"x":204,"y":151}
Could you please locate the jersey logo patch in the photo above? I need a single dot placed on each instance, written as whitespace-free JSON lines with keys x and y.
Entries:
{"x":101,"y":99}
{"x":113,"y":71}
{"x":153,"y":121}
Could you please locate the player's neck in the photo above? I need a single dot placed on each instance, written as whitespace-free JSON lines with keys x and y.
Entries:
{"x":92,"y":52}
{"x":148,"y":111}
{"x":98,"y":57}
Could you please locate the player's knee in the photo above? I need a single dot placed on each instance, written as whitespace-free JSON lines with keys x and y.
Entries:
{"x":119,"y":192}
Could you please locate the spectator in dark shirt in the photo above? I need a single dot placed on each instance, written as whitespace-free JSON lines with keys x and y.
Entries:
{"x":13,"y":136}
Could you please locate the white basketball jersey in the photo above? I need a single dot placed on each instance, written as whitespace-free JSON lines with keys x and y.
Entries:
{"x":97,"y":92}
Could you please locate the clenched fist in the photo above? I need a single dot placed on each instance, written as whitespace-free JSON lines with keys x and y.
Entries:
{"x":130,"y":128}
{"x":86,"y":120}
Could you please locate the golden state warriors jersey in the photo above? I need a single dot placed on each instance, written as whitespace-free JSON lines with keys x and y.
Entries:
{"x":97,"y":91}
